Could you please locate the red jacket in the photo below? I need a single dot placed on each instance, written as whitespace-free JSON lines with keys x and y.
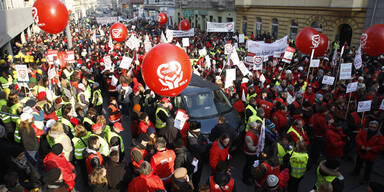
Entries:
{"x":216,"y":188}
{"x":320,"y":124}
{"x":302,"y":134}
{"x":52,"y":160}
{"x":146,"y":183}
{"x":335,"y":140}
{"x":239,"y":107}
{"x":217,"y":154}
{"x":376,"y":143}
{"x":143,"y":152}
{"x":144,"y":126}
{"x":267,"y":107}
{"x":269,"y":171}
{"x":280,"y":120}
{"x":162,"y":163}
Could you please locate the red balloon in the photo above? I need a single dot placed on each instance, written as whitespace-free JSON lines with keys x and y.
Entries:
{"x":162,"y":18}
{"x":307,"y":39}
{"x":372,"y":40}
{"x":166,"y":69}
{"x":323,"y":46}
{"x":184,"y":25}
{"x":118,"y":32}
{"x":50,"y":15}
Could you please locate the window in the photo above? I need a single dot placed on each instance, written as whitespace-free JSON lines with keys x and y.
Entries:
{"x":210,"y":18}
{"x":219,"y":19}
{"x":316,"y":25}
{"x":293,"y":30}
{"x":245,"y":21}
{"x":229,"y":19}
{"x":258,"y":26}
{"x":275,"y":28}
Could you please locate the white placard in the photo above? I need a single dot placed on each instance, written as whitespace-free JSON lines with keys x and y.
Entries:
{"x":203,"y":52}
{"x":276,"y":55}
{"x":358,"y":62}
{"x":288,"y":54}
{"x":227,"y":48}
{"x":125,"y":62}
{"x":207,"y":61}
{"x":147,"y":46}
{"x":241,"y":38}
{"x":133,"y":43}
{"x":107,"y":62}
{"x":180,"y":119}
{"x":266,"y":58}
{"x":290,"y":99}
{"x":364,"y":106}
{"x":51,"y":73}
{"x":169,"y":35}
{"x":243,"y":68}
{"x":234,"y":57}
{"x":258,"y":63}
{"x":382,"y":105}
{"x":352,"y":87}
{"x":345,"y":71}
{"x":230,"y":76}
{"x":22,"y":73}
{"x":328,"y":80}
{"x":220,"y":27}
{"x":185,"y":42}
{"x":315,"y":63}
{"x":262,"y":78}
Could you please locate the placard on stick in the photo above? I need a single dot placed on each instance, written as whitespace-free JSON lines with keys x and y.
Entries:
{"x":364,"y":106}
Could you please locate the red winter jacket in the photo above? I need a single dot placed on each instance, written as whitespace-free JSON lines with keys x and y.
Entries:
{"x":217,"y":153}
{"x":239,"y":107}
{"x":320,"y":124}
{"x":146,"y":183}
{"x":144,"y":126}
{"x":375,"y":143}
{"x":280,"y":120}
{"x":267,"y":107}
{"x":52,"y":160}
{"x":162,"y":163}
{"x":335,"y":140}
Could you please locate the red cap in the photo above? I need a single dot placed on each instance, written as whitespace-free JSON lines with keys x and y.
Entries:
{"x":165,"y":100}
{"x":74,"y":121}
{"x":42,"y":96}
{"x":118,"y":126}
{"x":96,"y":127}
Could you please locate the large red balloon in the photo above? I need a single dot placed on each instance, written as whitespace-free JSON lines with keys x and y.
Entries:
{"x":372,"y":40}
{"x":162,"y":18}
{"x":323,"y":46}
{"x":307,"y":39}
{"x":184,"y":25}
{"x":118,"y":32}
{"x":166,"y":69}
{"x":50,"y":15}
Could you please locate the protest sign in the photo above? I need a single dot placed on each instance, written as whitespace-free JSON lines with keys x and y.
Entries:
{"x":180,"y":119}
{"x":258,"y":63}
{"x":276,"y":55}
{"x":70,"y":57}
{"x":241,"y":38}
{"x":133,"y":43}
{"x":169,"y":35}
{"x":234,"y":57}
{"x":208,"y":61}
{"x":315,"y":63}
{"x":52,"y":56}
{"x":351,"y":87}
{"x":230,"y":76}
{"x":243,"y":68}
{"x":269,"y":49}
{"x":180,"y":33}
{"x":147,"y":46}
{"x":227,"y":48}
{"x":287,"y":58}
{"x":220,"y":27}
{"x":382,"y":105}
{"x":203,"y":52}
{"x":107,"y":62}
{"x":345,"y":71}
{"x":125,"y":62}
{"x":51,"y":73}
{"x":364,"y":106}
{"x":249,"y":58}
{"x":22,"y":73}
{"x":265,"y":58}
{"x":185,"y":42}
{"x":328,"y":80}
{"x":358,"y":62}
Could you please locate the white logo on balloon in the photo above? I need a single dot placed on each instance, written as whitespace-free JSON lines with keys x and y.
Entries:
{"x":170,"y":74}
{"x":117,"y":33}
{"x":315,"y":41}
{"x":36,"y":17}
{"x":363,"y":39}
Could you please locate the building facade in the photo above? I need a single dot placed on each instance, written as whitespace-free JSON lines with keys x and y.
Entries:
{"x":342,"y":20}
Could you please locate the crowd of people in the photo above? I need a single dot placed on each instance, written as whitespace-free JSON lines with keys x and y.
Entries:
{"x":57,"y":130}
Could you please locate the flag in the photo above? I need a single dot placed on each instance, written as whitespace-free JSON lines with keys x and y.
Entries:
{"x":334,"y":58}
{"x":243,"y":96}
{"x":358,"y":62}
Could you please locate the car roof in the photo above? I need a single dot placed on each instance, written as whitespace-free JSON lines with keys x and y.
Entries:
{"x":199,"y":82}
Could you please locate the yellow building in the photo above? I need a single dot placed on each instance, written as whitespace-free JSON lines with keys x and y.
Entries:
{"x":338,"y":19}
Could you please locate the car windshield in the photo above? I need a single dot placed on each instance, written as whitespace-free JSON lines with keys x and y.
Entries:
{"x":207,"y":104}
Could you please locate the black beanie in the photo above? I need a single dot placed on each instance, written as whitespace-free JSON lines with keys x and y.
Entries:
{"x":332,"y":163}
{"x":57,"y":149}
{"x":51,"y":176}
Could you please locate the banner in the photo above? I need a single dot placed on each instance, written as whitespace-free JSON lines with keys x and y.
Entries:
{"x":328,"y":80}
{"x":345,"y":71}
{"x":203,"y":52}
{"x":287,"y":58}
{"x":133,"y":43}
{"x":315,"y":63}
{"x":234,"y":57}
{"x":125,"y":62}
{"x":179,"y":33}
{"x":69,"y":57}
{"x":364,"y":106}
{"x":267,"y":49}
{"x":107,"y":62}
{"x":147,"y":46}
{"x":180,"y":119}
{"x":220,"y":27}
{"x":51,"y":73}
{"x":243,"y":68}
{"x":351,"y":87}
{"x":22,"y":73}
{"x":169,"y":35}
{"x":106,"y":20}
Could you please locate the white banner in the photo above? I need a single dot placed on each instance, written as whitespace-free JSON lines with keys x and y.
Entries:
{"x":315,"y":63}
{"x":51,"y":73}
{"x":147,"y":46}
{"x":107,"y":62}
{"x":169,"y":35}
{"x":203,"y":52}
{"x":106,"y":20}
{"x":125,"y":62}
{"x":234,"y":57}
{"x":22,"y":73}
{"x":230,"y":76}
{"x":364,"y":106}
{"x":328,"y":80}
{"x":180,"y":119}
{"x":351,"y":87}
{"x":179,"y":33}
{"x":220,"y":27}
{"x":133,"y":43}
{"x":345,"y":71}
{"x":267,"y":49}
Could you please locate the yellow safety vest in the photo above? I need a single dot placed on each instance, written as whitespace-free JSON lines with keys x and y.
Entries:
{"x":298,"y":162}
{"x":281,"y":153}
{"x":322,"y":179}
{"x":291,"y":129}
{"x":160,"y":124}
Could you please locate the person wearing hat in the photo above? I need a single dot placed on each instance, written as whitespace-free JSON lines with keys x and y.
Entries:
{"x":369,"y":142}
{"x":114,"y":139}
{"x":272,"y":184}
{"x":139,"y":151}
{"x":181,"y":182}
{"x":146,"y":181}
{"x":53,"y":181}
{"x":328,"y":172}
{"x":56,"y":159}
{"x":221,"y":180}
{"x":162,"y":113}
{"x":144,"y":123}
